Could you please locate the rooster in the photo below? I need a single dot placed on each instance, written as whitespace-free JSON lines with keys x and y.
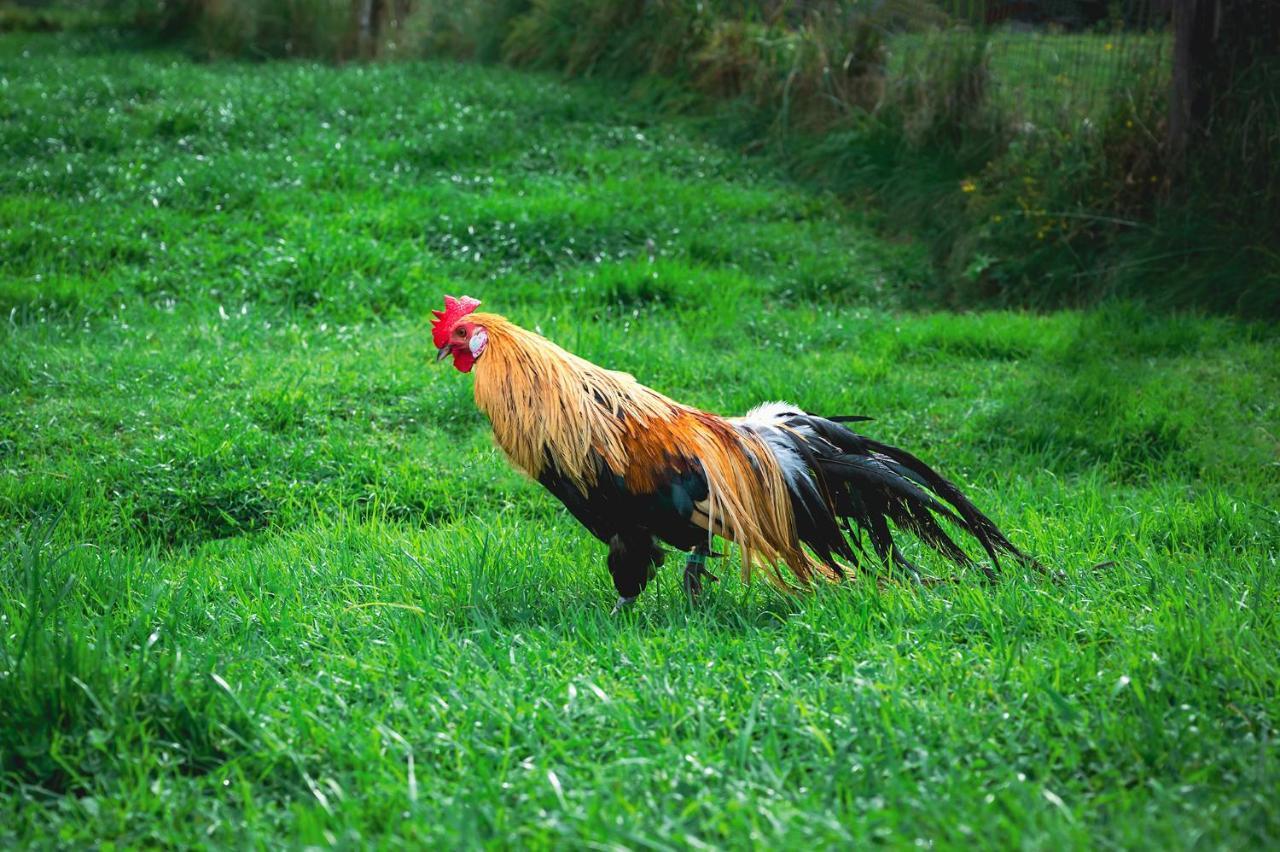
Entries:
{"x":798,"y":493}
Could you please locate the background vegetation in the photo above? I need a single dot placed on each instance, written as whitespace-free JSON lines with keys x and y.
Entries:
{"x":265,"y":581}
{"x":1034,"y":162}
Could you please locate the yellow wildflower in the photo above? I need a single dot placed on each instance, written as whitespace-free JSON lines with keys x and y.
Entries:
{"x":968,"y":186}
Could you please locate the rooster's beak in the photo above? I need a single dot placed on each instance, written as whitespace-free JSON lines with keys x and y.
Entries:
{"x":444,"y":351}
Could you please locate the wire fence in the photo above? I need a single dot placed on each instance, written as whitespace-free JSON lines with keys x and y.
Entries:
{"x":1050,"y":61}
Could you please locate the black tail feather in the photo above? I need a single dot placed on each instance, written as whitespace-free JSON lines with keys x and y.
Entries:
{"x":862,"y":485}
{"x":976,"y":523}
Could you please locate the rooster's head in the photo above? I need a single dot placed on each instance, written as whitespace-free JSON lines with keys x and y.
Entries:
{"x":455,"y":335}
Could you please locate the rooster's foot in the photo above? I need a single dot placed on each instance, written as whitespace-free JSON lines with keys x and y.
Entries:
{"x":694,"y":570}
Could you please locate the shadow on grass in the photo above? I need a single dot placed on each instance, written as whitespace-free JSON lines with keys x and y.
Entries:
{"x":1140,"y":399}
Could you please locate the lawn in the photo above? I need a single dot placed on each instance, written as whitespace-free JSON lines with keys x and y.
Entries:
{"x":267,"y":581}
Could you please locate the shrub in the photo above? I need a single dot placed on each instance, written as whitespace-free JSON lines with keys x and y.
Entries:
{"x":312,"y":28}
{"x":472,"y":30}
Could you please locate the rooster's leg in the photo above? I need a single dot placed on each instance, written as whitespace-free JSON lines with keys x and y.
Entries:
{"x":633,"y":559}
{"x":695,"y":569}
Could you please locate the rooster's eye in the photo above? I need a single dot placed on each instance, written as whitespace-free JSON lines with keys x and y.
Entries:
{"x":462,"y":332}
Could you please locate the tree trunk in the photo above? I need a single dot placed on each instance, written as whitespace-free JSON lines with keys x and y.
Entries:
{"x":1214,"y":42}
{"x":1193,"y":43}
{"x":366,"y":46}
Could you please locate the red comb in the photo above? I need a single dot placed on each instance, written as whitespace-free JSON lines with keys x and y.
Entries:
{"x":454,"y":310}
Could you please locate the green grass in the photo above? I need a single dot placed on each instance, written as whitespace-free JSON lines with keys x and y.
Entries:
{"x":265,"y":580}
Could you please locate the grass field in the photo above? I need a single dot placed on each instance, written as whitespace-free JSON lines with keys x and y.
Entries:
{"x":265,"y":579}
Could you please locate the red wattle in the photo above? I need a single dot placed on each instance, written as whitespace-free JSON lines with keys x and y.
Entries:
{"x":463,"y":360}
